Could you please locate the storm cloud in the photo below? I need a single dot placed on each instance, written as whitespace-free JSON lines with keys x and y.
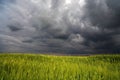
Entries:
{"x":60,"y":26}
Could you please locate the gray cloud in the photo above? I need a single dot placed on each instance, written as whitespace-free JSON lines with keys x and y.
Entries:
{"x":60,"y":26}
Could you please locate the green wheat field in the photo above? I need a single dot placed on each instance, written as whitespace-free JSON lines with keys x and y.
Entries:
{"x":50,"y":67}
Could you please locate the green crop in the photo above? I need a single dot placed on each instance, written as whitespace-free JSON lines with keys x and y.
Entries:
{"x":45,"y":67}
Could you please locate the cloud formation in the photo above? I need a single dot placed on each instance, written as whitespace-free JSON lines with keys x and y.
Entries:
{"x":60,"y":26}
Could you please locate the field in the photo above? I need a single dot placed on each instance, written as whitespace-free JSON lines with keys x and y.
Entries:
{"x":50,"y":67}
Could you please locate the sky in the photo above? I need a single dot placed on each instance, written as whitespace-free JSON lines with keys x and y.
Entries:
{"x":60,"y":26}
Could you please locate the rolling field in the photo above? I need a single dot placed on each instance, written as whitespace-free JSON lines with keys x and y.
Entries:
{"x":46,"y":67}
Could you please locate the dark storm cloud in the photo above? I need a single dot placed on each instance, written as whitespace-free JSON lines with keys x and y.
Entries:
{"x":60,"y":26}
{"x":104,"y":13}
{"x":13,"y":28}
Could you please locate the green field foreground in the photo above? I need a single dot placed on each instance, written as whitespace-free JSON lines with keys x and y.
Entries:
{"x":45,"y":67}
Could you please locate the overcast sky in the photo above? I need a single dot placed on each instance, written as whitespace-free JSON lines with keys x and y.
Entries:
{"x":60,"y":26}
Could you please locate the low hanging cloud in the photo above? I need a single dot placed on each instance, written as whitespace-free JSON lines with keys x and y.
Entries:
{"x":60,"y":26}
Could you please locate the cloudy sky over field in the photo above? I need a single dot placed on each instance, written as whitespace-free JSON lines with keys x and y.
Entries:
{"x":60,"y":26}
